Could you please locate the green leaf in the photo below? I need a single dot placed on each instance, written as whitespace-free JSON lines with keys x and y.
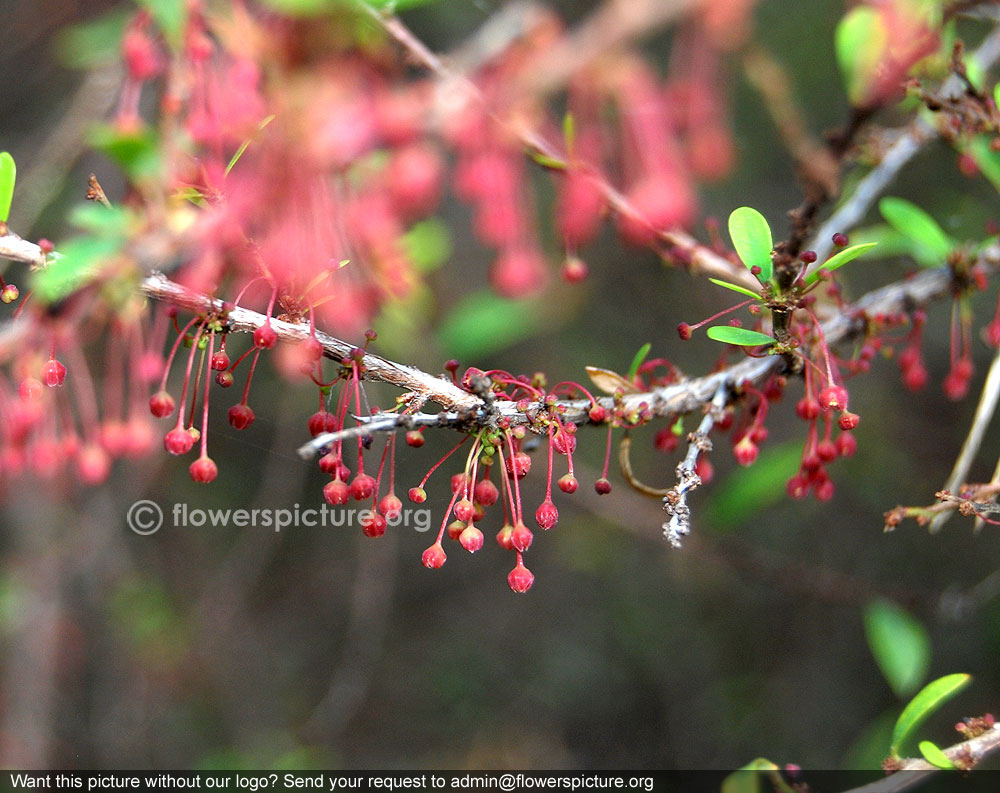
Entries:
{"x":933,"y":245}
{"x":742,"y":337}
{"x":170,"y":16}
{"x":481,"y":323}
{"x":840,"y":259}
{"x":900,"y":645}
{"x":933,"y":755}
{"x":137,"y":152}
{"x":92,"y":43}
{"x":100,"y":220}
{"x":748,"y":778}
{"x":547,"y":162}
{"x":8,"y":175}
{"x":860,"y":42}
{"x":986,"y":159}
{"x":569,"y":133}
{"x":890,"y":242}
{"x":637,"y":360}
{"x":741,"y":289}
{"x":747,"y":492}
{"x":752,"y":239}
{"x":930,"y":698}
{"x":243,"y":146}
{"x":427,"y":245}
{"x":81,"y":261}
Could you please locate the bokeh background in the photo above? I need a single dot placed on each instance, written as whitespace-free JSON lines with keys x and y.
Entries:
{"x":224,"y":647}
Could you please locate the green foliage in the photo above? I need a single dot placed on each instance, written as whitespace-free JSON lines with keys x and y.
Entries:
{"x":867,"y":750}
{"x":840,"y":259}
{"x":860,"y":40}
{"x":8,"y":175}
{"x":94,"y":42}
{"x":170,"y":17}
{"x":900,"y":645}
{"x":987,"y":160}
{"x":931,"y":245}
{"x":742,"y":337}
{"x":547,"y":162}
{"x":79,"y":262}
{"x":427,"y":245}
{"x":736,"y":288}
{"x":752,"y":240}
{"x":82,"y":258}
{"x":136,"y":151}
{"x":481,"y":322}
{"x":637,"y":360}
{"x":749,"y":491}
{"x":933,"y":755}
{"x":930,"y":698}
{"x":569,"y":133}
{"x":243,"y":146}
{"x":750,"y":777}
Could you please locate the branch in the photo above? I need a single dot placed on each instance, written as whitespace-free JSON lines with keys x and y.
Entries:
{"x":462,"y":408}
{"x":158,"y":287}
{"x":981,"y":420}
{"x":675,"y":501}
{"x":681,"y":246}
{"x":965,"y":755}
{"x":913,"y":138}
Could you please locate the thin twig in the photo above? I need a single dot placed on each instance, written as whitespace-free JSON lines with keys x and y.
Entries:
{"x":675,"y":501}
{"x":437,"y":389}
{"x":980,"y":421}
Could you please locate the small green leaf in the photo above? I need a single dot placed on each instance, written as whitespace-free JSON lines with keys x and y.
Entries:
{"x":933,"y":755}
{"x":637,"y":360}
{"x":933,"y":245}
{"x":547,"y":162}
{"x":748,"y":778}
{"x":930,"y":698}
{"x":986,"y":159}
{"x":94,"y":42}
{"x":243,"y":147}
{"x":482,"y":323}
{"x":840,"y":259}
{"x":748,"y":492}
{"x":170,"y":16}
{"x":102,"y":221}
{"x":81,"y":261}
{"x":752,"y":239}
{"x":741,"y":289}
{"x":900,"y":645}
{"x":860,"y":42}
{"x":427,"y":245}
{"x":137,"y":152}
{"x":742,"y":337}
{"x":8,"y":175}
{"x":569,"y":133}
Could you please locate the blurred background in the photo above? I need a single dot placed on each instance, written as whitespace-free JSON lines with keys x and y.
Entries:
{"x":205,"y":647}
